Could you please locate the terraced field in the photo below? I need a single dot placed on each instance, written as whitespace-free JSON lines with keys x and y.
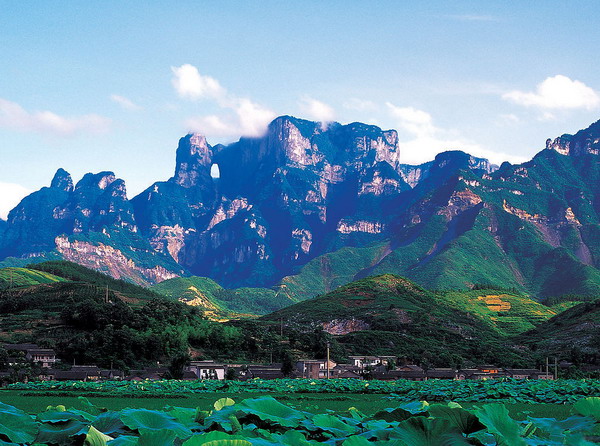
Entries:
{"x":22,"y":277}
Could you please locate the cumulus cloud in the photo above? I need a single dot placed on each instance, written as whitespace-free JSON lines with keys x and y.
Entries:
{"x":190,"y":84}
{"x":15,"y":117}
{"x":253,"y":118}
{"x":124,"y":102}
{"x":316,"y":110}
{"x":416,"y":122}
{"x":241,"y":116}
{"x":212,"y":125}
{"x":10,"y":195}
{"x":421,"y":140}
{"x":557,"y":92}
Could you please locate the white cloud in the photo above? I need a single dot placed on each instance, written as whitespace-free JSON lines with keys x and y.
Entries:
{"x":417,"y":122}
{"x":10,"y":195}
{"x":124,"y":102}
{"x":253,"y":118}
{"x":241,"y":116}
{"x":212,"y":125}
{"x":15,"y":117}
{"x":557,"y":92}
{"x":190,"y":84}
{"x":360,"y":105}
{"x":421,"y":140}
{"x":316,"y":110}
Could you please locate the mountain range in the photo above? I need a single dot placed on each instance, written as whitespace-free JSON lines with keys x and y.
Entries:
{"x":307,"y":208}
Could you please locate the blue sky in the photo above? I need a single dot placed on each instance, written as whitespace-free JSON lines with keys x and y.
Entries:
{"x":91,"y":86}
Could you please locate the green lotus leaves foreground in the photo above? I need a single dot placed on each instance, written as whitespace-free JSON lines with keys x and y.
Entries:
{"x":16,"y":425}
{"x":96,"y":438}
{"x":265,"y":421}
{"x":589,"y":407}
{"x":144,"y":420}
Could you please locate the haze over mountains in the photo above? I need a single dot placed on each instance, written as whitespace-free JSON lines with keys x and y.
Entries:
{"x":312,"y":208}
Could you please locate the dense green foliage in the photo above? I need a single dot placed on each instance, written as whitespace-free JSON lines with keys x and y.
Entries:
{"x":445,"y":328}
{"x":77,"y":273}
{"x":265,"y":421}
{"x":222,"y":302}
{"x":572,"y":335}
{"x":90,"y":318}
{"x":527,"y":391}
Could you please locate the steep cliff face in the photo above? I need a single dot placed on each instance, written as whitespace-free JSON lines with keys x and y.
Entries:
{"x":91,"y":223}
{"x":322,"y":205}
{"x":277,"y":202}
{"x":584,"y":142}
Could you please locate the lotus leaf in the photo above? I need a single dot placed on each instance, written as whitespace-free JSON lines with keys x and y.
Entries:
{"x":421,"y":431}
{"x":96,"y":438}
{"x":355,"y":440}
{"x":60,"y":416}
{"x":16,"y":424}
{"x":331,"y":423}
{"x":108,"y":422}
{"x":124,"y":440}
{"x":92,"y":409}
{"x":397,"y":414}
{"x":164,"y":437}
{"x":223,"y":402}
{"x":506,"y":430}
{"x":216,"y":439}
{"x":556,"y":429}
{"x":588,"y":407}
{"x":463,"y":420}
{"x":60,"y":433}
{"x":184,"y":415}
{"x":151,"y":421}
{"x":270,"y":410}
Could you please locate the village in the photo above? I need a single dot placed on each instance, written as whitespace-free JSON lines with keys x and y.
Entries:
{"x":31,"y":362}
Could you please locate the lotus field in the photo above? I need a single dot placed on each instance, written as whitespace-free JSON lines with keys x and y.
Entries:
{"x":525,"y":391}
{"x":264,"y":421}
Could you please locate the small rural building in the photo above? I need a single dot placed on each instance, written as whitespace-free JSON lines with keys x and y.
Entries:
{"x":207,"y":369}
{"x":314,"y":368}
{"x":441,"y":373}
{"x":372,"y":361}
{"x":45,"y":357}
{"x":346,"y":371}
{"x":77,"y":373}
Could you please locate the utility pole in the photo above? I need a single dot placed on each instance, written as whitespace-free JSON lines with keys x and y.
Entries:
{"x":328,"y":345}
{"x":546,"y":367}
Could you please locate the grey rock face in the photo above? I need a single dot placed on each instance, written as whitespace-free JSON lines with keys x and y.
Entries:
{"x":62,"y":180}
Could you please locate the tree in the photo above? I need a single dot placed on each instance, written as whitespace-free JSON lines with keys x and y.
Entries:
{"x":287,"y":363}
{"x":177,"y":365}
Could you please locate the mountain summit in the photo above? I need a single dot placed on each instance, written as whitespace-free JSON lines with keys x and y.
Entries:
{"x":314,"y":207}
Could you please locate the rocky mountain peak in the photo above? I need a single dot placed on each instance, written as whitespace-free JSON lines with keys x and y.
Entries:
{"x":62,"y":180}
{"x":457,"y":159}
{"x":193,"y":160}
{"x":584,"y":142}
{"x":99,"y":180}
